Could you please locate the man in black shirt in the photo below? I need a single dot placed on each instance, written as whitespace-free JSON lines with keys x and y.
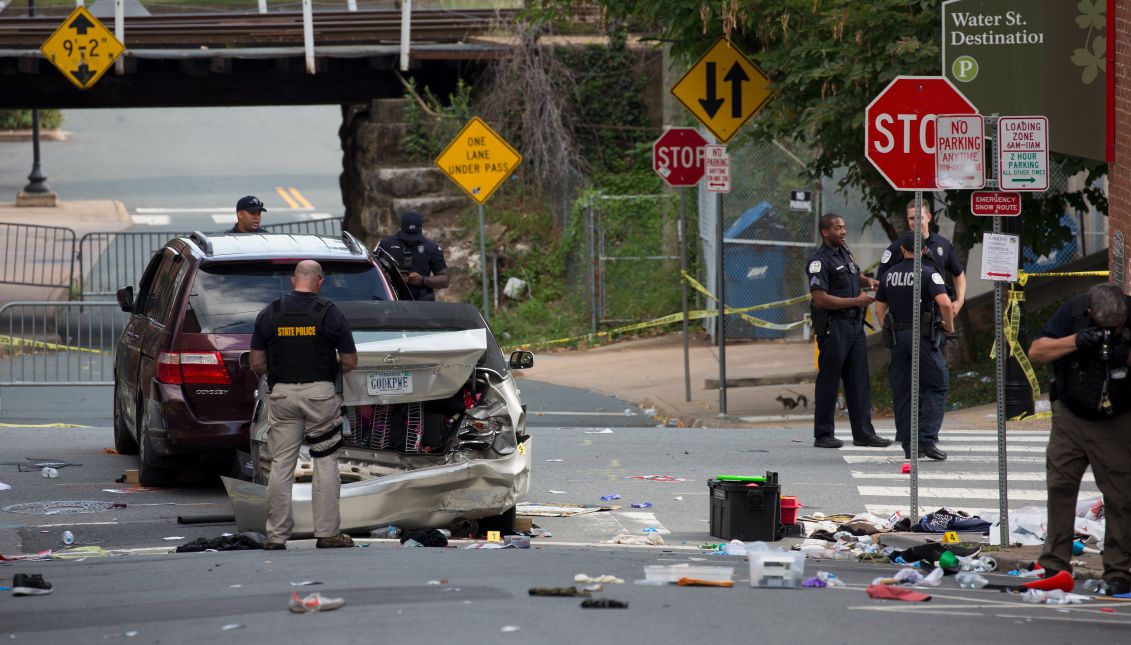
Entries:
{"x":940,"y":254}
{"x":294,"y":345}
{"x":1089,"y":344}
{"x":837,"y":309}
{"x":420,"y":260}
{"x":895,"y":305}
{"x":249,"y":212}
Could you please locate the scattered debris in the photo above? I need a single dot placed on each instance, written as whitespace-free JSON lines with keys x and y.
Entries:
{"x":658,"y":478}
{"x":699,"y":582}
{"x":557,"y":492}
{"x":610,"y":497}
{"x":50,"y":473}
{"x":509,"y":628}
{"x":642,"y":505}
{"x":605,"y":431}
{"x":4,"y":486}
{"x":248,"y":540}
{"x":630,"y":538}
{"x":230,"y":626}
{"x":887,"y":592}
{"x":603,"y":603}
{"x":558,"y":510}
{"x":306,"y":583}
{"x":173,"y":537}
{"x":557,"y":591}
{"x":315,"y":602}
{"x":582,"y":578}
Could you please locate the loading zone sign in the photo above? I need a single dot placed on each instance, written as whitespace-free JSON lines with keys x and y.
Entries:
{"x":1023,"y":152}
{"x":82,"y":48}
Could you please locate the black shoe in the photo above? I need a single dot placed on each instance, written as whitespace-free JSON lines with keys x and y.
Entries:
{"x":934,"y":453}
{"x":30,"y":584}
{"x":275,"y":546}
{"x":874,"y":441}
{"x":828,"y":442}
{"x":1117,"y":586}
{"x":339,"y":541}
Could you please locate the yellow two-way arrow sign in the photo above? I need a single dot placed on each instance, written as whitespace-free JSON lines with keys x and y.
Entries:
{"x":723,"y":89}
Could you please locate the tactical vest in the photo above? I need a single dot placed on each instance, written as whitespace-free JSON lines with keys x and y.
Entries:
{"x":296,"y":350}
{"x":1082,"y":381}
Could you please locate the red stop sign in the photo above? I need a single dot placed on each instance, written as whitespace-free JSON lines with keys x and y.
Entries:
{"x":677,"y":156}
{"x":899,"y":128}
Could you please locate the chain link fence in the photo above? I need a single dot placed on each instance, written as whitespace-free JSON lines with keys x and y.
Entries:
{"x":767,"y":237}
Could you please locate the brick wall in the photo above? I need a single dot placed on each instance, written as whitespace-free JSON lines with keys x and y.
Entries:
{"x":1120,"y":171}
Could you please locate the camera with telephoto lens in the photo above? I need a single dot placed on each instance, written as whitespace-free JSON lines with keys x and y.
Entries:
{"x":1105,"y":346}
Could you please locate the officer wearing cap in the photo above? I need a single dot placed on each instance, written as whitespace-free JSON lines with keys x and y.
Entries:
{"x":421,"y":260}
{"x":249,"y":211}
{"x":837,"y":310}
{"x":297,"y":343}
{"x":940,"y":254}
{"x":895,"y":305}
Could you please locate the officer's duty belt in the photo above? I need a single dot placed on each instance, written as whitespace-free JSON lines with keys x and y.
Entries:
{"x":905,"y":326}
{"x":852,"y":312}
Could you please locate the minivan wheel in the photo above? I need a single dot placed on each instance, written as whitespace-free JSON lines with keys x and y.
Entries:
{"x":152,"y":470}
{"x":124,"y":442}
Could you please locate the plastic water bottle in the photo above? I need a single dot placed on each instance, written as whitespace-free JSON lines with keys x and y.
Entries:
{"x":969,"y":580}
{"x":389,"y":531}
{"x":1096,"y":587}
{"x":1042,"y":597}
{"x":68,"y":538}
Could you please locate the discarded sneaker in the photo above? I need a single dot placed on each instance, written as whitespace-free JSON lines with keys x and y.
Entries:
{"x":30,"y":584}
{"x":339,"y":541}
{"x":314,"y":602}
{"x":1118,"y":586}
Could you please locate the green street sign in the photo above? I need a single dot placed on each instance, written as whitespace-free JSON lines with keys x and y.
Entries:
{"x":1033,"y":57}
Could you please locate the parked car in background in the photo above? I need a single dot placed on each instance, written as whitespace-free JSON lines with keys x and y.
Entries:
{"x":183,"y":383}
{"x":437,"y":429}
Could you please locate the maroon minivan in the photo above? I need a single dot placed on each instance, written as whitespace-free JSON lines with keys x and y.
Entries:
{"x":182,"y":381}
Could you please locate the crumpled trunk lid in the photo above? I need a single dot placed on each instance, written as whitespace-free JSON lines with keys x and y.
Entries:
{"x":418,"y":368}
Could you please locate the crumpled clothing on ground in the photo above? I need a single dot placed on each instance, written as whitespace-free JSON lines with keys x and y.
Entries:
{"x":426,"y":537}
{"x":944,"y":520}
{"x":245,"y":541}
{"x":630,"y":538}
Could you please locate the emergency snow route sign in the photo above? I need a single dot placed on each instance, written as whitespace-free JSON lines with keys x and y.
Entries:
{"x":82,"y":48}
{"x":478,"y":160}
{"x":960,"y":160}
{"x":1023,"y":152}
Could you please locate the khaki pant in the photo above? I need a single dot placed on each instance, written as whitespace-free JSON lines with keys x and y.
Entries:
{"x":1074,"y":443}
{"x":296,"y":411}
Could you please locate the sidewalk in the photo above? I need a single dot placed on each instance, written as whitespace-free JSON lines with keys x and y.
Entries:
{"x":649,"y":372}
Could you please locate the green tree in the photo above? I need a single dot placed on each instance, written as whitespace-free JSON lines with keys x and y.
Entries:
{"x":827,"y":60}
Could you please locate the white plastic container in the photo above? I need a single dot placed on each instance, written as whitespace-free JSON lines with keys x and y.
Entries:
{"x":773,"y":568}
{"x":672,"y":573}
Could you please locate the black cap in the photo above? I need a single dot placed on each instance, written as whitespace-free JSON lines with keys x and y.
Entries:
{"x":907,"y":241}
{"x":250,"y":204}
{"x":412,"y":226}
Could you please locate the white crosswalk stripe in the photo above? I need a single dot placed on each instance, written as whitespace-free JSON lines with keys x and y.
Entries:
{"x":967,"y":480}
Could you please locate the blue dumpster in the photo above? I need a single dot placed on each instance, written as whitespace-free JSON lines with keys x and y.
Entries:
{"x":755,"y":273}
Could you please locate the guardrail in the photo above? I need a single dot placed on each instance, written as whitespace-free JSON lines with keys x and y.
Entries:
{"x":37,"y":256}
{"x":59,"y":343}
{"x":109,"y":261}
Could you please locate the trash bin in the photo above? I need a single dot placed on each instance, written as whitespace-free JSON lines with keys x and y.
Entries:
{"x":755,"y":273}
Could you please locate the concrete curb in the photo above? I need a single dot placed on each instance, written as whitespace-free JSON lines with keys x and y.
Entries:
{"x":25,"y":135}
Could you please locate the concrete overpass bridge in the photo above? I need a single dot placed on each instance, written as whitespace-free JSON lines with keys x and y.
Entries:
{"x":229,"y":59}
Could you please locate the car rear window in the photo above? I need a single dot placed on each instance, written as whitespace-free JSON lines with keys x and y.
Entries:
{"x":226,"y":298}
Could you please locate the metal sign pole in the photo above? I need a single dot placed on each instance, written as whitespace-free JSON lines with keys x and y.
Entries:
{"x":720,"y":279}
{"x":483,"y":261}
{"x":999,"y":357}
{"x":683,"y":289}
{"x":916,"y":346}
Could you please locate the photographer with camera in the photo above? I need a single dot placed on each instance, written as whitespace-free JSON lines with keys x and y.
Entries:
{"x":420,"y":260}
{"x":1088,"y":342}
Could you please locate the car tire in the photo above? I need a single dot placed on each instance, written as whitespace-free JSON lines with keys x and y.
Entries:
{"x":152,"y":469}
{"x":503,"y":522}
{"x":124,"y":442}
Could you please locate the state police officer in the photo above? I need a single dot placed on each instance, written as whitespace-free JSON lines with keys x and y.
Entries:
{"x":895,"y":305}
{"x":421,"y":260}
{"x":294,"y":344}
{"x":1089,"y":344}
{"x":941,"y":254}
{"x":837,"y":310}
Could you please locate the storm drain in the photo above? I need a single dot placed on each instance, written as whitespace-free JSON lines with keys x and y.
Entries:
{"x":62,"y":507}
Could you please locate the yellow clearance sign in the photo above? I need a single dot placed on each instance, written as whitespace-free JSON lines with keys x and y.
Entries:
{"x":478,"y":159}
{"x":82,"y":48}
{"x":723,"y":89}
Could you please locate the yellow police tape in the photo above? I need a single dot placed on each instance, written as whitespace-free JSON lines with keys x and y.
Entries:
{"x":1011,"y":320}
{"x":697,"y":314}
{"x":14,"y":341}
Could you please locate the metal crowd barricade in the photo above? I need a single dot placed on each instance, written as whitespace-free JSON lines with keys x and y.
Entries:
{"x":59,"y":343}
{"x":37,"y":256}
{"x":108,"y":261}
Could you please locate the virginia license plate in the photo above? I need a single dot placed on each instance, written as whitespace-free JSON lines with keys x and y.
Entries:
{"x":389,"y":382}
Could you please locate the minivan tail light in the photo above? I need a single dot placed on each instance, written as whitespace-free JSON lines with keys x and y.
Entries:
{"x":192,"y":368}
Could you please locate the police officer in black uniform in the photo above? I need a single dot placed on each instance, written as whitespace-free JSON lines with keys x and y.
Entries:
{"x":837,"y":310}
{"x":940,"y":254}
{"x":1088,"y":342}
{"x":895,"y":305}
{"x":249,"y":214}
{"x":421,"y":260}
{"x":294,"y":344}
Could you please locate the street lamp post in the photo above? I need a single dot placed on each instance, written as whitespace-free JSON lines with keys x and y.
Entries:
{"x":37,"y":181}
